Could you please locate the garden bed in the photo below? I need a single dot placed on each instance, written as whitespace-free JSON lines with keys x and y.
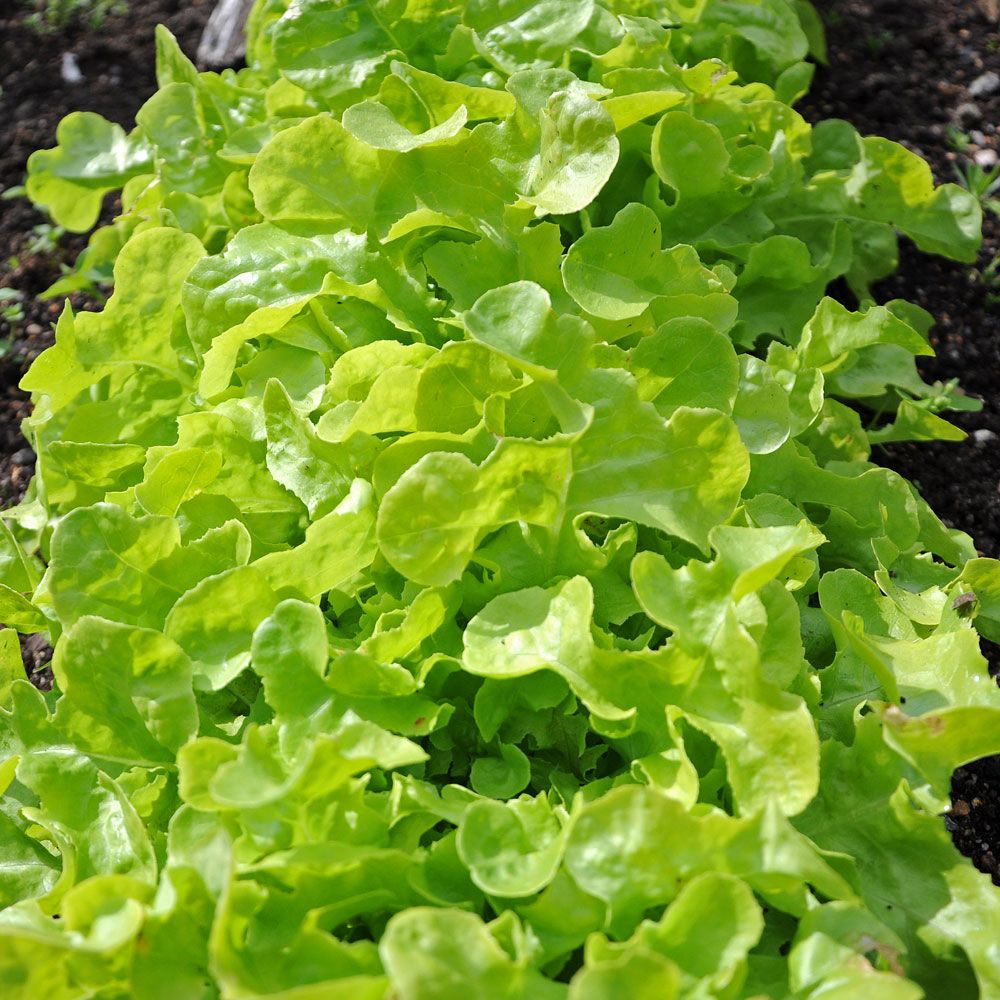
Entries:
{"x":901,"y":70}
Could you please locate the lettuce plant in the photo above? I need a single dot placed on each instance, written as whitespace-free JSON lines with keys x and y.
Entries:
{"x":458,"y":534}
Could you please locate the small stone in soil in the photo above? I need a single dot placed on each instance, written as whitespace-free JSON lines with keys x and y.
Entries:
{"x":986,"y":158}
{"x":24,"y":456}
{"x":968,"y":113}
{"x":985,"y":85}
{"x":983,"y":436}
{"x":70,"y":70}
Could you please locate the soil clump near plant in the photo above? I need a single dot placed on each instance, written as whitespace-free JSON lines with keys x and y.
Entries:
{"x":898,"y":69}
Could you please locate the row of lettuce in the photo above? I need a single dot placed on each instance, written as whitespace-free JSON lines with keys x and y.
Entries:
{"x":458,"y":535}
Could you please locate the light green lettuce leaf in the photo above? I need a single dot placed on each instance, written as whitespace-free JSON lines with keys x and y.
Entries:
{"x":93,"y":157}
{"x":454,"y":385}
{"x":303,"y":463}
{"x":458,"y":185}
{"x":17,"y":612}
{"x":177,"y":477}
{"x":173,"y":965}
{"x":627,"y":463}
{"x":106,"y":563}
{"x":560,"y":147}
{"x":126,"y":692}
{"x":686,"y":362}
{"x":185,"y":140}
{"x":893,"y":185}
{"x":512,"y":849}
{"x":334,"y":52}
{"x":546,"y":482}
{"x":762,"y":410}
{"x":690,"y":155}
{"x":134,"y":329}
{"x":336,"y":548}
{"x":694,"y":600}
{"x":520,"y":633}
{"x":633,"y":847}
{"x":705,"y":934}
{"x":136,"y":325}
{"x":87,"y":950}
{"x":518,"y":34}
{"x":834,"y":331}
{"x":269,"y":510}
{"x":443,"y":953}
{"x":428,"y":99}
{"x":780,"y":285}
{"x":264,"y":277}
{"x":824,"y":956}
{"x":644,"y":974}
{"x":28,"y":868}
{"x":772,"y":27}
{"x":982,"y":578}
{"x":291,"y":783}
{"x":18,"y":570}
{"x":291,"y":185}
{"x":214,"y":622}
{"x":938,"y":743}
{"x":270,"y":937}
{"x":87,"y":818}
{"x":616,"y":271}
{"x":431,"y":520}
{"x":374,"y":124}
{"x":106,"y":467}
{"x":518,"y":322}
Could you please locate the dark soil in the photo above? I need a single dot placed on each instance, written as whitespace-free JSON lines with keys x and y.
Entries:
{"x":903,"y":69}
{"x":898,"y":68}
